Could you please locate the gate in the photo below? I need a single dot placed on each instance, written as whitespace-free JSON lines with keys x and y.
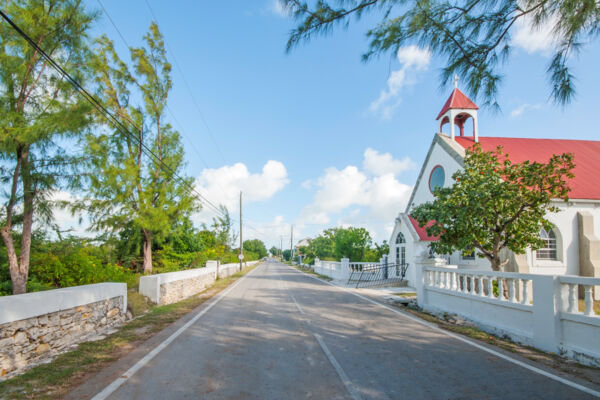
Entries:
{"x":364,"y":275}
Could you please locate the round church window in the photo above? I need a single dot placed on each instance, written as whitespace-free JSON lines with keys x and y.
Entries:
{"x":436,"y":178}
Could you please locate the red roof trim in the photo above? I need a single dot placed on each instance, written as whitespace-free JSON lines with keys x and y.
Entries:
{"x":457,"y":99}
{"x":422,"y":232}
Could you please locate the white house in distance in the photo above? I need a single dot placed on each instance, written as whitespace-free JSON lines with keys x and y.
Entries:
{"x":573,"y":245}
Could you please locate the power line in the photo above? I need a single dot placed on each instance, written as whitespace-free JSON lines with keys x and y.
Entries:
{"x":190,"y":91}
{"x":194,"y":148}
{"x":113,"y":23}
{"x":99,"y":107}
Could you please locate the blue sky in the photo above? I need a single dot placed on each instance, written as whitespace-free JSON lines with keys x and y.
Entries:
{"x":293,"y":130}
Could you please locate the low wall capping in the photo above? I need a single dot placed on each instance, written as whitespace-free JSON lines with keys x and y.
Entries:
{"x":35,"y":327}
{"x":538,"y":310}
{"x":172,"y":287}
{"x":28,"y":305}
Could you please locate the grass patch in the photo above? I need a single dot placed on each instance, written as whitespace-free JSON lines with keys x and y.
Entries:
{"x":406,"y":294}
{"x":596,"y":306}
{"x":137,"y":303}
{"x":309,"y":270}
{"x":68,"y":370}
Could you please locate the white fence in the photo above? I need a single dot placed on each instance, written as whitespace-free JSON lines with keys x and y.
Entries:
{"x":338,"y":270}
{"x":538,"y":310}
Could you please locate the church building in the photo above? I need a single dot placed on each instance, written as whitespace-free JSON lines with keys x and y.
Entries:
{"x":572,"y":245}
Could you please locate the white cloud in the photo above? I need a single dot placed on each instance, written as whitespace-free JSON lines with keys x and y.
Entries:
{"x":277,"y":7}
{"x":383,"y":163}
{"x":534,"y":39}
{"x":412,"y":59}
{"x":223,"y":185}
{"x":522,"y":108}
{"x":374,"y":195}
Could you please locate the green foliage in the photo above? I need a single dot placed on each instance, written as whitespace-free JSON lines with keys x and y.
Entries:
{"x":473,"y":36}
{"x":495,"y":204}
{"x":275,"y":251}
{"x":287,"y":254}
{"x":39,"y":111}
{"x":128,"y":190}
{"x":256,"y":248}
{"x":336,"y":243}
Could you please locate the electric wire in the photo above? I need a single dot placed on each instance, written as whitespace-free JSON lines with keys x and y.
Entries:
{"x":103,"y":110}
{"x":189,"y":89}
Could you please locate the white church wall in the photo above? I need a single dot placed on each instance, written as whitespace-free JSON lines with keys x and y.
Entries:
{"x":438,"y":156}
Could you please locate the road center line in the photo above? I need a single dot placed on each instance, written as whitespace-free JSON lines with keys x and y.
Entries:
{"x":465,"y":340}
{"x":338,"y":368}
{"x":110,"y":389}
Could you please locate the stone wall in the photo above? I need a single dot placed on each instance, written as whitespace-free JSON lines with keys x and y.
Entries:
{"x":172,"y":287}
{"x":172,"y":292}
{"x":30,"y":341}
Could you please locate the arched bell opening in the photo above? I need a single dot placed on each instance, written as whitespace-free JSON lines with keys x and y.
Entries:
{"x":443,"y":122}
{"x":460,"y":121}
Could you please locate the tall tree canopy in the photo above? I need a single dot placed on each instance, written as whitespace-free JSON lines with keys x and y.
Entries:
{"x":473,"y":36}
{"x":495,"y":204}
{"x":39,"y":110}
{"x":128,"y":187}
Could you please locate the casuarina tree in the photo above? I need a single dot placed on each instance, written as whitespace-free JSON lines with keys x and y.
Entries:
{"x":473,"y":37}
{"x":137,"y":175}
{"x":495,"y":204}
{"x":39,"y":111}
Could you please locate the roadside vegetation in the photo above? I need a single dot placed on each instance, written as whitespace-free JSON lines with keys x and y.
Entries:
{"x":68,"y":370}
{"x":336,"y":243}
{"x":119,"y":170}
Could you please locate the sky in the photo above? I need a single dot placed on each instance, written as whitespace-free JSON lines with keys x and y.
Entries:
{"x":316,"y":138}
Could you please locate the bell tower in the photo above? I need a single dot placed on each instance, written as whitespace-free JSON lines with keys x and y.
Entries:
{"x":457,"y":110}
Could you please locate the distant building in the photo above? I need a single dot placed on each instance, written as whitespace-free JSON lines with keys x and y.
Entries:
{"x":572,"y":245}
{"x":304,"y":242}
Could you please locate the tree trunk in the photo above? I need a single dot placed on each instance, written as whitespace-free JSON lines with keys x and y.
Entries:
{"x":17,"y":276}
{"x":147,"y":252}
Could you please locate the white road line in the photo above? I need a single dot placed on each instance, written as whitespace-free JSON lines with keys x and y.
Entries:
{"x":297,"y":305}
{"x":338,"y":368}
{"x":465,"y":340}
{"x":110,"y":389}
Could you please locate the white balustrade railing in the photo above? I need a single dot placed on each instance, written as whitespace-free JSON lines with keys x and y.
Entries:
{"x":503,"y":286}
{"x":571,"y":285}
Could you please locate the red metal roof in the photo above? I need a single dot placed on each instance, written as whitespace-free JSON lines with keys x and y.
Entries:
{"x":457,"y":99}
{"x":422,"y":232}
{"x":585,"y":184}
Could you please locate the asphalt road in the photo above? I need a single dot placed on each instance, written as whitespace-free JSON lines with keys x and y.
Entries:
{"x":281,"y":334}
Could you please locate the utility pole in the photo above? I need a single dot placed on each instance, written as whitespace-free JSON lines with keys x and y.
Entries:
{"x":281,"y":247}
{"x":241,"y":255}
{"x":292,"y":244}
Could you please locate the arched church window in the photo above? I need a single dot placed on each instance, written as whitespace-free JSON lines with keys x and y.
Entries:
{"x":437,"y":177}
{"x":548,"y":252}
{"x":400,"y":238}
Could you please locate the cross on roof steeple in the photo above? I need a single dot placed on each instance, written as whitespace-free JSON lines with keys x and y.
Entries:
{"x":455,"y":81}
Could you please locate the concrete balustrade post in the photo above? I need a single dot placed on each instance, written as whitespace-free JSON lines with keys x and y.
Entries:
{"x":546,"y":312}
{"x":345,"y":268}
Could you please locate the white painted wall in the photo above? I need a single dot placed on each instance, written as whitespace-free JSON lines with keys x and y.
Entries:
{"x":540,"y":310}
{"x":565,"y":221}
{"x":438,"y":156}
{"x":150,"y":284}
{"x":28,"y":305}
